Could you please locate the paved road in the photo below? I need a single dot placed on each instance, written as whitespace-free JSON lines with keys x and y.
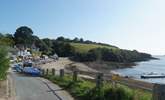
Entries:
{"x":36,"y":88}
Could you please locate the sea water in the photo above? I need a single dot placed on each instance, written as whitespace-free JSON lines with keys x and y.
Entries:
{"x":146,"y":67}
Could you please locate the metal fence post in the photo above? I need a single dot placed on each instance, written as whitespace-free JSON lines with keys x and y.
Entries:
{"x":75,"y":75}
{"x":159,"y":92}
{"x":61,"y":72}
{"x":42,"y":72}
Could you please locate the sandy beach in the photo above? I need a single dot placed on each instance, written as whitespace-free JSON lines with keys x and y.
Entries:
{"x":66,"y":63}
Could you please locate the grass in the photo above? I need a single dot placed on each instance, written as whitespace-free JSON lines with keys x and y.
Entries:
{"x":86,"y":90}
{"x":80,"y":47}
{"x":138,"y":94}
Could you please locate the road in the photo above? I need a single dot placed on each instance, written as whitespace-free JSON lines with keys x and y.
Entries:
{"x":36,"y":88}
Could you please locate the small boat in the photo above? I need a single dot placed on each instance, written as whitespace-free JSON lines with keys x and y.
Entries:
{"x":153,"y":75}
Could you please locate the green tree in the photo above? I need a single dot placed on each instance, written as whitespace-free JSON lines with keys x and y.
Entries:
{"x":76,"y":39}
{"x":23,"y":36}
{"x":63,"y":49}
{"x":48,"y":42}
{"x":61,"y":38}
{"x":6,"y":39}
{"x":81,"y":40}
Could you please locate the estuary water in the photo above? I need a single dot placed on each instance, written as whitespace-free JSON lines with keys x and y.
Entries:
{"x":146,"y":67}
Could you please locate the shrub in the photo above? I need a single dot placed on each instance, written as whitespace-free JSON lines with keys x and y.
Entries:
{"x":4,"y":62}
{"x":86,"y":90}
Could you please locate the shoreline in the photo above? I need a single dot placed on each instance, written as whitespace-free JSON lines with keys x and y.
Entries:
{"x":107,"y":67}
{"x":97,"y":66}
{"x":87,"y":71}
{"x":94,"y":67}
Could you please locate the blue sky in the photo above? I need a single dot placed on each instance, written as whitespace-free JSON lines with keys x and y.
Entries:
{"x":129,"y":24}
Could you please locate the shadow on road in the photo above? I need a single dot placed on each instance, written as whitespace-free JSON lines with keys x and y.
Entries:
{"x":53,"y":91}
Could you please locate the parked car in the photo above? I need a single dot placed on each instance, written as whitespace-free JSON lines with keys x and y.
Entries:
{"x":18,"y":68}
{"x":32,"y":71}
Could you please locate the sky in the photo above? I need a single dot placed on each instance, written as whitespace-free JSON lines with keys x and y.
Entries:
{"x":128,"y":24}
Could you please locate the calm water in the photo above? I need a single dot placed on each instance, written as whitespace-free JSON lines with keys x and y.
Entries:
{"x":156,"y":66}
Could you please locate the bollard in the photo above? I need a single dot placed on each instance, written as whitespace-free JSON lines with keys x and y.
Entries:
{"x":99,"y":85}
{"x":53,"y":71}
{"x":159,"y":92}
{"x":99,"y":80}
{"x":75,"y":75}
{"x":43,"y":72}
{"x":61,"y":72}
{"x":47,"y":71}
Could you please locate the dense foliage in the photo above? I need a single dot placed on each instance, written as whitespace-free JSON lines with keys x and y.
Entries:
{"x":6,"y":39}
{"x":4,"y":62}
{"x":23,"y":35}
{"x":63,"y":49}
{"x":114,"y":55}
